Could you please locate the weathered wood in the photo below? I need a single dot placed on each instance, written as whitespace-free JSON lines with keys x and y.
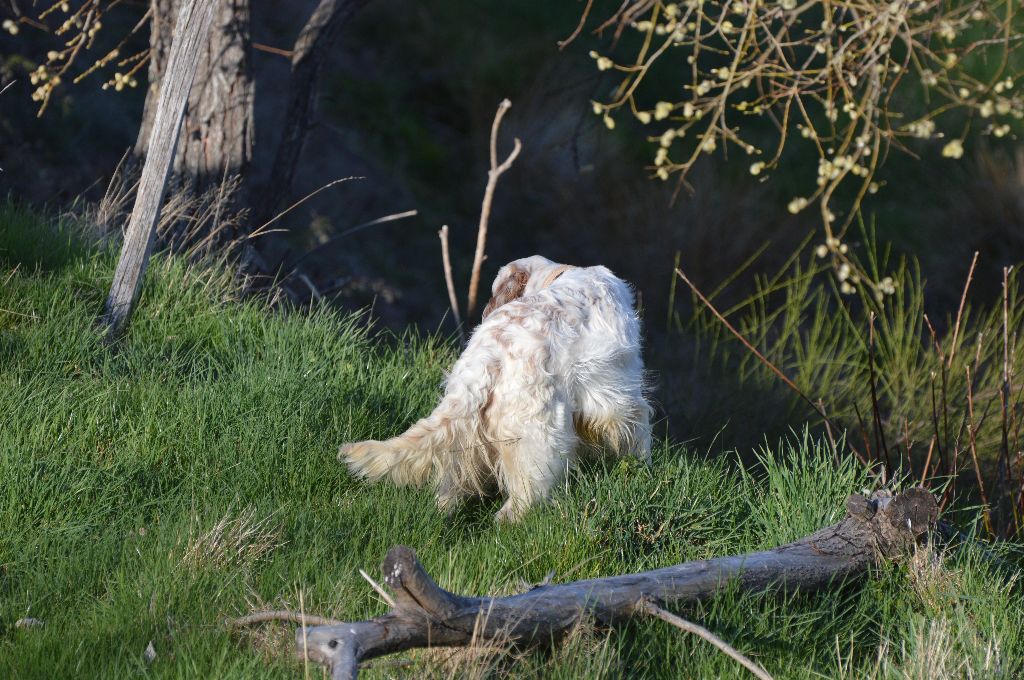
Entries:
{"x":190,"y":33}
{"x":424,"y":614}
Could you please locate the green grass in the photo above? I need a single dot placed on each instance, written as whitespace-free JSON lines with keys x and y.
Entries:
{"x":188,"y":474}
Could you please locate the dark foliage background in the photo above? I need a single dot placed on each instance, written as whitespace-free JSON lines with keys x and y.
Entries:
{"x":407,"y":100}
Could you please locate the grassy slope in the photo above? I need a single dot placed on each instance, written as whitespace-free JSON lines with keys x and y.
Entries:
{"x":189,"y":475}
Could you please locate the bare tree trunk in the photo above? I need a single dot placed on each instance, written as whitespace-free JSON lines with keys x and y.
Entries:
{"x":308,"y":56}
{"x":425,"y":615}
{"x":217,"y":134}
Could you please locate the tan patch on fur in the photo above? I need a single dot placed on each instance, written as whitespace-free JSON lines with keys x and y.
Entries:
{"x":511,"y":288}
{"x":555,"y":274}
{"x":588,"y":430}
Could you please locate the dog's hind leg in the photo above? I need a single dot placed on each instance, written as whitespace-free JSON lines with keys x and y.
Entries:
{"x":451,"y":493}
{"x":622,"y":425}
{"x":533,"y":463}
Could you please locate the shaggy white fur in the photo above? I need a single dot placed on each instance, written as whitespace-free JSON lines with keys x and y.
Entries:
{"x":555,"y":364}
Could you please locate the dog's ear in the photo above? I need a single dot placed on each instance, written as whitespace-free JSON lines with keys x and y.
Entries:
{"x":508,"y":289}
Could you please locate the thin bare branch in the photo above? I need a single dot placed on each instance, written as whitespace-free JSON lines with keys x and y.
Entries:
{"x":282,"y":615}
{"x":562,"y":44}
{"x":972,"y":435}
{"x":493,"y":174}
{"x":377,"y":587}
{"x":960,"y":310}
{"x":448,"y":280}
{"x":705,"y":634}
{"x":259,"y":231}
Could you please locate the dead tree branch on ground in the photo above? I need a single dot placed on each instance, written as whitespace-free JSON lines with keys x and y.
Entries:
{"x":425,"y":615}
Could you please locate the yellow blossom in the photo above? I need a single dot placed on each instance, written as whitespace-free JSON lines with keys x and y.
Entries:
{"x":953,"y":149}
{"x":797,"y":204}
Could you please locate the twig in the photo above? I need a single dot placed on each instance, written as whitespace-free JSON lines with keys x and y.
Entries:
{"x":448,"y":280}
{"x":935,"y":425}
{"x":493,"y":174}
{"x":705,"y":634}
{"x":880,"y":443}
{"x":927,"y":460}
{"x":562,"y":44}
{"x":359,"y":227}
{"x":282,"y":615}
{"x":305,"y":638}
{"x":972,"y":433}
{"x":380,"y":590}
{"x":831,"y":437}
{"x":259,"y":231}
{"x":960,"y":309}
{"x":872,"y":455}
{"x":762,"y":358}
{"x":1004,"y":394}
{"x":272,"y":50}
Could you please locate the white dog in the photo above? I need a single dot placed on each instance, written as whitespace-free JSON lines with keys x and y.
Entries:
{"x":554,"y":364}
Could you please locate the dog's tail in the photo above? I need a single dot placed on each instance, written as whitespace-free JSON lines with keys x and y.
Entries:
{"x":447,"y":438}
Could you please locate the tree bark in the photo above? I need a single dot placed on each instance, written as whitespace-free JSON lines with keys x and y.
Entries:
{"x":217,"y":134}
{"x":308,"y":56}
{"x":184,"y":53}
{"x":426,"y":615}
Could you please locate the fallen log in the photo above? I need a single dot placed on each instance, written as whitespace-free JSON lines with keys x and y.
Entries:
{"x":425,"y":615}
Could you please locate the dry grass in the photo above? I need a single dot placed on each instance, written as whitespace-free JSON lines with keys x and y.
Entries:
{"x":234,"y":540}
{"x":937,"y":652}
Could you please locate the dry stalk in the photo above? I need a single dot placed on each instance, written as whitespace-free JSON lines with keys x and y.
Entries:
{"x":876,"y":413}
{"x":495,"y":172}
{"x":960,"y":309}
{"x":928,"y":460}
{"x":1004,"y":396}
{"x":449,"y":282}
{"x":378,"y":588}
{"x":972,"y":434}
